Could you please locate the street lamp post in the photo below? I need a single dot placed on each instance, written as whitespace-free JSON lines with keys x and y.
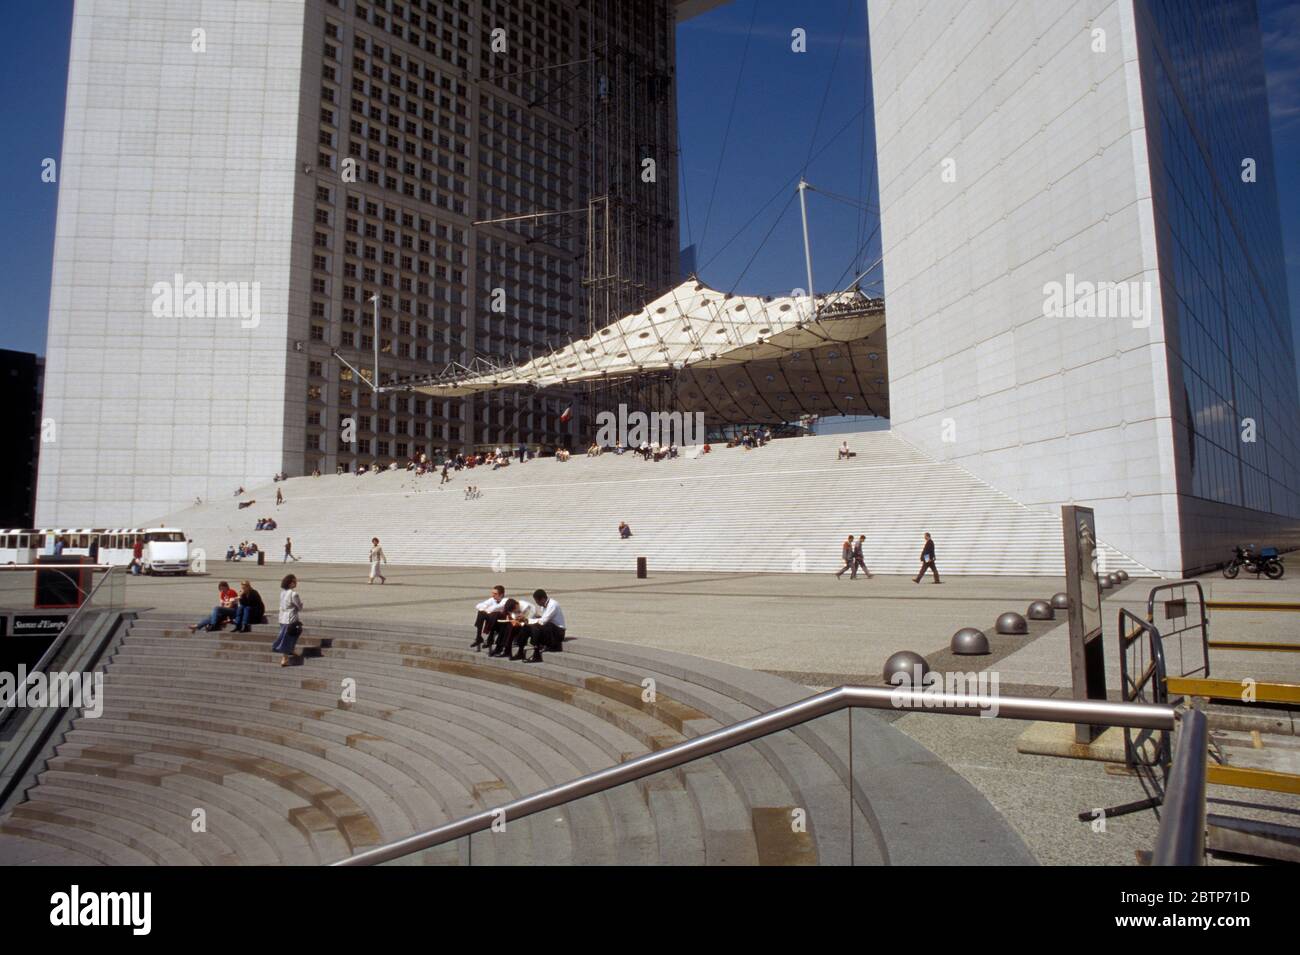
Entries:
{"x":375,"y":299}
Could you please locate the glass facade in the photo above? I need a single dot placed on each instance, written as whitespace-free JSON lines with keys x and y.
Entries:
{"x":1223,"y":282}
{"x":451,"y":112}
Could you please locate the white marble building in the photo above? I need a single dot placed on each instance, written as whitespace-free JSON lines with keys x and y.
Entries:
{"x":180,"y":157}
{"x":1014,"y":152}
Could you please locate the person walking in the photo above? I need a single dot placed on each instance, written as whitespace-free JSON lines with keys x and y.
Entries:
{"x":279,"y":497}
{"x":288,"y":551}
{"x":290,"y":622}
{"x":927,"y":561}
{"x":858,"y":559}
{"x":376,"y":559}
{"x":846,"y":555}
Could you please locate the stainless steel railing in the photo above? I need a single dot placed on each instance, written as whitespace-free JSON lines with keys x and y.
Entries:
{"x":1181,"y":840}
{"x":1097,"y":712}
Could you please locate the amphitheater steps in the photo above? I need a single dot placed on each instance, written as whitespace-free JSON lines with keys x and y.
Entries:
{"x":764,"y":787}
{"x":290,"y":773}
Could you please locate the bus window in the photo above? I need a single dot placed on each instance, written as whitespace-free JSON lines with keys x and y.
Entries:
{"x":174,"y":537}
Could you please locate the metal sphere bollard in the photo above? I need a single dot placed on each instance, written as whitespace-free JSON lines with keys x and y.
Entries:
{"x":1122,"y":575}
{"x":1061,"y":601}
{"x":905,"y":662}
{"x":1011,"y":622}
{"x":969,"y":642}
{"x":1104,"y":582}
{"x":1040,"y":610}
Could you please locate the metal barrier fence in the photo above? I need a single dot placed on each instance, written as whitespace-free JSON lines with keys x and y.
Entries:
{"x":1142,"y":680}
{"x":1182,"y":659}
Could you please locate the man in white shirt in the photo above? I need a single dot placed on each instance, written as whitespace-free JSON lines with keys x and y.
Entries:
{"x":488,"y":614}
{"x":510,"y":624}
{"x":546,"y":628}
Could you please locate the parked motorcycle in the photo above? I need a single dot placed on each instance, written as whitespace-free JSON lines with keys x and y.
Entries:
{"x":1267,"y":562}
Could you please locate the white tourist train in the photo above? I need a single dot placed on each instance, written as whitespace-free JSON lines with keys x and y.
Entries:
{"x":165,"y":550}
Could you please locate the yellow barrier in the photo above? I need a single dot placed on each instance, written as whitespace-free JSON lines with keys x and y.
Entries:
{"x":1253,"y":779}
{"x":1262,"y":647}
{"x":1284,"y":693}
{"x":1249,"y":605}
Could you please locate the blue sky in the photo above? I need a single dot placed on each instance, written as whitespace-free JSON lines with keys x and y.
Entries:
{"x":791,"y":113}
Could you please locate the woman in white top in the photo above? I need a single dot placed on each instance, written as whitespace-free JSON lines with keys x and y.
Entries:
{"x":290,"y":624}
{"x":376,"y":558}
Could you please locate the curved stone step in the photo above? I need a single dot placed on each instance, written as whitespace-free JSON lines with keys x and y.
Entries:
{"x":249,"y":842}
{"x":763,"y":790}
{"x":105,"y":850}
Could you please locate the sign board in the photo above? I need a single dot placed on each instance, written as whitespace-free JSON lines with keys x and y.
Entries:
{"x":39,"y":625}
{"x":1087,"y":659}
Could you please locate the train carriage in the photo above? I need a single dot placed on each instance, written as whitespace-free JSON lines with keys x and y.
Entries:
{"x":165,"y":549}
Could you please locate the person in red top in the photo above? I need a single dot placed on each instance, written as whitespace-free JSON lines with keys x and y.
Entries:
{"x":226,"y":608}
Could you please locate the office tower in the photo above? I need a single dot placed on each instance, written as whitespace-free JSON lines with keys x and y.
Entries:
{"x":1031,"y":153}
{"x":238,"y":180}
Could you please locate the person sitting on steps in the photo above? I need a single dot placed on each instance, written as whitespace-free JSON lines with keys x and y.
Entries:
{"x":509,"y":625}
{"x":251,"y":609}
{"x":488,"y":612}
{"x":226,"y":608}
{"x":546,"y":628}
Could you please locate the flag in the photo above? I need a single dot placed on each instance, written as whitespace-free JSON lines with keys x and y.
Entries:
{"x":566,"y":415}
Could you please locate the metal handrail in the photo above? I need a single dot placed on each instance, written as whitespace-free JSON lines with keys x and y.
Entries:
{"x":57,"y":643}
{"x":1097,"y":712}
{"x":1181,"y":840}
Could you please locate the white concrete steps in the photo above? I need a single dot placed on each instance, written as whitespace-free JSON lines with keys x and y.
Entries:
{"x":288,"y":773}
{"x":778,"y":509}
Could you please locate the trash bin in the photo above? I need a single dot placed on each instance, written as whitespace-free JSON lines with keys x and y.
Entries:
{"x":261,"y":558}
{"x":641,"y":568}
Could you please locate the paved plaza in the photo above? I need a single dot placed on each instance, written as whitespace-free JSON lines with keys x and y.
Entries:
{"x":814,"y":629}
{"x":820,"y":631}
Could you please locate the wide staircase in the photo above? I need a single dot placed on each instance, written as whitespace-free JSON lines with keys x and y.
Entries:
{"x":208,"y":752}
{"x":781,"y":508}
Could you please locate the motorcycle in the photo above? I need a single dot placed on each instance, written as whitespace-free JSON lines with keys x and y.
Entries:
{"x":1267,"y":562}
